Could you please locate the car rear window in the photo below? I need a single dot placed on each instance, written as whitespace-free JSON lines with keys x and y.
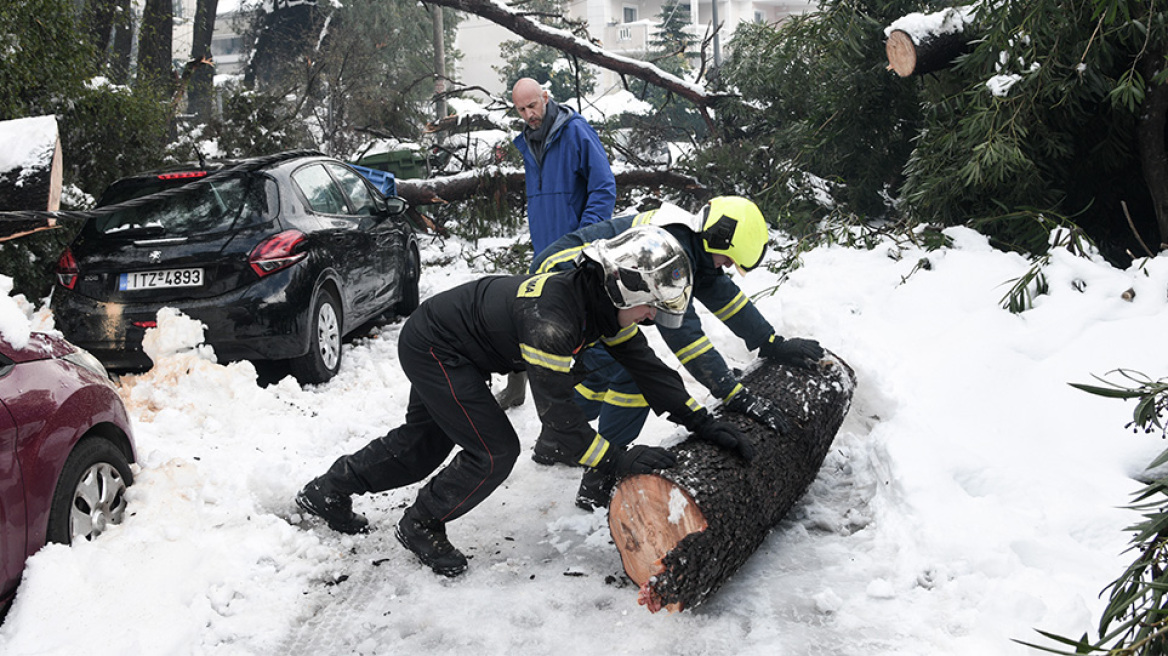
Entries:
{"x":199,"y":208}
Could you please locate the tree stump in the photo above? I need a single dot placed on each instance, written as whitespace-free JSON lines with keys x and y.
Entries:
{"x":30,"y":164}
{"x":682,"y":532}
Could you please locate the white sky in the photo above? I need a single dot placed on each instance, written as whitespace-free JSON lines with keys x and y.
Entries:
{"x":971,"y":496}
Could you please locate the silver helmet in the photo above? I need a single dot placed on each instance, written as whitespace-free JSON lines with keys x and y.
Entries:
{"x":645,"y":265}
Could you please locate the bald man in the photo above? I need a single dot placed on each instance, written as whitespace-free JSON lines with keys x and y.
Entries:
{"x":569,"y":181}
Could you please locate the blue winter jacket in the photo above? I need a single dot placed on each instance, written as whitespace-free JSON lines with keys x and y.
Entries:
{"x":574,"y":187}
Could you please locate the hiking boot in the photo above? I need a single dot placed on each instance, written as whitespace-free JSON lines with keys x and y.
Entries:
{"x":335,"y":508}
{"x":595,"y":490}
{"x":516,"y":391}
{"x":545,"y":453}
{"x":426,"y":538}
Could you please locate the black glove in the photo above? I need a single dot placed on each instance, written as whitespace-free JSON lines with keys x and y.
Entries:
{"x":722,"y":433}
{"x":641,"y":459}
{"x":759,"y":409}
{"x":798,"y":352}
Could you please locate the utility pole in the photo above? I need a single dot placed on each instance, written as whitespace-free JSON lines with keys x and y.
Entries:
{"x":717,"y":39}
{"x":439,"y":64}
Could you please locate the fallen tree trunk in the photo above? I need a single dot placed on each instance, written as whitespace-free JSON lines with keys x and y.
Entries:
{"x":682,"y":532}
{"x":497,"y":181}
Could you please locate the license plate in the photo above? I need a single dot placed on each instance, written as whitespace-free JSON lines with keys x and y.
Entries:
{"x":136,"y":280}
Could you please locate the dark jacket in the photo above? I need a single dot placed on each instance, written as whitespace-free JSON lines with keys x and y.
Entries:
{"x":538,"y":323}
{"x":712,"y":287}
{"x":574,"y":185}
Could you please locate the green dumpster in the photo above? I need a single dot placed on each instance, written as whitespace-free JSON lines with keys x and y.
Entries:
{"x":403,"y":164}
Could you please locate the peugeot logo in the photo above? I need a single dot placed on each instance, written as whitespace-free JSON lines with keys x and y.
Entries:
{"x":155,"y":256}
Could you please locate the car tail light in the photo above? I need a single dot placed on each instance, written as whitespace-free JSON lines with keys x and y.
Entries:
{"x":182,"y":174}
{"x":145,"y":324}
{"x":67,"y":270}
{"x":277,"y":252}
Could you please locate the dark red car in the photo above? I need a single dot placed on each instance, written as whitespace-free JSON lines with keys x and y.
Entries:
{"x":65,"y":451}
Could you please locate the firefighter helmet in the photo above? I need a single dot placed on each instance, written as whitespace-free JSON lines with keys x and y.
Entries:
{"x":645,"y":265}
{"x":734,"y":226}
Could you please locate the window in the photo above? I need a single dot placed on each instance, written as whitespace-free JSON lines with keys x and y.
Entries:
{"x":319,"y":189}
{"x":201,"y":208}
{"x":354,"y":187}
{"x":630,"y":14}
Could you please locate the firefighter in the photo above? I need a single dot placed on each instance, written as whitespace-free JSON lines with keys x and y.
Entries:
{"x":728,"y":232}
{"x":538,"y":323}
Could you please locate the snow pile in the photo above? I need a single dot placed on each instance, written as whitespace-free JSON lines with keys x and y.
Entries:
{"x":15,"y":327}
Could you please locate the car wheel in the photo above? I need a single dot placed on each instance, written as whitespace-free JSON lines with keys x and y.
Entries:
{"x":323,"y":359}
{"x":91,"y":493}
{"x":410,"y":295}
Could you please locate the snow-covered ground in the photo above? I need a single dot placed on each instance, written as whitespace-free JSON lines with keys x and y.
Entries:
{"x":971,"y":496}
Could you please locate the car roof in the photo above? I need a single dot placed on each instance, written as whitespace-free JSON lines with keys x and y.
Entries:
{"x":266,"y":162}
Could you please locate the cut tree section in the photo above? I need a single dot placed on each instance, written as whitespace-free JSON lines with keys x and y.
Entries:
{"x":682,"y":532}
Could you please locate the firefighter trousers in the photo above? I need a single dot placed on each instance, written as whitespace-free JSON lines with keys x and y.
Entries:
{"x":451,"y":405}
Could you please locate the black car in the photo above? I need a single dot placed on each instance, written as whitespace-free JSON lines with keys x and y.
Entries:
{"x":280,"y":257}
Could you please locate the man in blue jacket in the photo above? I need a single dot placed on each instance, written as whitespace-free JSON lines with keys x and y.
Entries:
{"x":569,"y":181}
{"x":568,"y":178}
{"x":728,"y":232}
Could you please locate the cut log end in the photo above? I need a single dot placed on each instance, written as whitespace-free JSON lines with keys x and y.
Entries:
{"x":648,"y":516}
{"x":902,"y":53}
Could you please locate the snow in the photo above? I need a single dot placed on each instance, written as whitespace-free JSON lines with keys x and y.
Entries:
{"x":1000,"y":85}
{"x":970,"y":497}
{"x":599,"y":110}
{"x":918,"y":25}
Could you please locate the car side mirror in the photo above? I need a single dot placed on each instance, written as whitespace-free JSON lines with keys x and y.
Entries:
{"x":395,"y":205}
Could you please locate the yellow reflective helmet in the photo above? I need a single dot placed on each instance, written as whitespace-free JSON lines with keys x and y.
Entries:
{"x":734,"y":226}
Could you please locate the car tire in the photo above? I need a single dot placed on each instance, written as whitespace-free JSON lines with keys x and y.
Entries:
{"x":91,"y":492}
{"x":323,"y":359}
{"x":410,"y":296}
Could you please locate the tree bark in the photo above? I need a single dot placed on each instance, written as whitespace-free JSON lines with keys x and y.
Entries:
{"x":483,"y":182}
{"x":926,"y":54}
{"x":119,"y":59}
{"x":1150,"y":135}
{"x":682,"y":532}
{"x":154,"y":45}
{"x":100,"y":16}
{"x":201,"y":83}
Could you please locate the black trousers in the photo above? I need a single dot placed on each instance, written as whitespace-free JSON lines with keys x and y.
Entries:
{"x":451,"y":405}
